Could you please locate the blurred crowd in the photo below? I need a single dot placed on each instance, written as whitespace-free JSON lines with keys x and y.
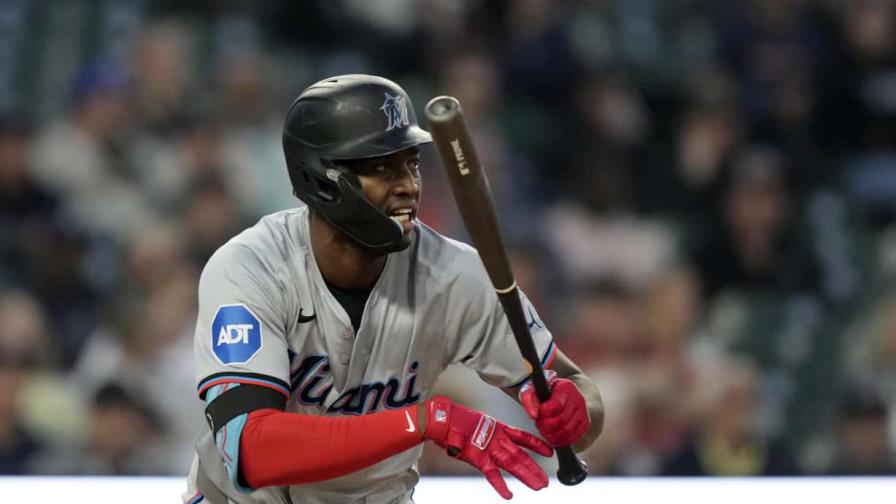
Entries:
{"x":700,"y":198}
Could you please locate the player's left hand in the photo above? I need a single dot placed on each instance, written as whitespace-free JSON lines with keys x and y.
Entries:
{"x":486,"y":444}
{"x":563,"y":419}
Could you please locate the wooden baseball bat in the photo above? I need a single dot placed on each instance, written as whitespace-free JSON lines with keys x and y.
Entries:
{"x":474,"y":200}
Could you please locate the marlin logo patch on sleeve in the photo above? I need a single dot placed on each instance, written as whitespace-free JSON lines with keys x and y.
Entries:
{"x":532,"y":319}
{"x":236,"y":334}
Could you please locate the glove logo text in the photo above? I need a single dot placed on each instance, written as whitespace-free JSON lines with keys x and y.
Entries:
{"x":483,"y":433}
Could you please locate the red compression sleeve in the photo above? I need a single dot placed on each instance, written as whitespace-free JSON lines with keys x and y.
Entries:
{"x":279,"y":449}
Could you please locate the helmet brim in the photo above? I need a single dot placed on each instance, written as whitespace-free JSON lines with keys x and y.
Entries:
{"x":382,"y":144}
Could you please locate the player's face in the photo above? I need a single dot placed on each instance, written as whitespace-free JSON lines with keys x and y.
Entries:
{"x":392,"y":184}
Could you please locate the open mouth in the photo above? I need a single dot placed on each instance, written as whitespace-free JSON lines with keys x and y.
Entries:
{"x":404,"y":217}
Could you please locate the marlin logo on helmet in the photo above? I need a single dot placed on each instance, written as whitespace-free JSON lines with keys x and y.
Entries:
{"x":396,"y":110}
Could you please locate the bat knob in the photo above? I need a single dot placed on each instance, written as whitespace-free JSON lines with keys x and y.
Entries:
{"x":572,"y":471}
{"x":442,"y":108}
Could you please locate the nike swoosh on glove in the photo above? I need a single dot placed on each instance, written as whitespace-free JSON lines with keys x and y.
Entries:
{"x":486,"y":444}
{"x":563,"y":419}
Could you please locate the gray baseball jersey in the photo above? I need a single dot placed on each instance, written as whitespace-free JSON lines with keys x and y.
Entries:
{"x":266,"y":317}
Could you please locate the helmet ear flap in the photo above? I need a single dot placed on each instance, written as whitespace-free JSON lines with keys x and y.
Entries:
{"x":325,"y":188}
{"x":312,"y":175}
{"x":328,"y":192}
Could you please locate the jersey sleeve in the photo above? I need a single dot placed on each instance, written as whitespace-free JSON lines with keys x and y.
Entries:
{"x":241,"y":325}
{"x":484,"y":341}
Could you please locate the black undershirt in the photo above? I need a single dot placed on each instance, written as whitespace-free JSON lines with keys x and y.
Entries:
{"x":352,"y":301}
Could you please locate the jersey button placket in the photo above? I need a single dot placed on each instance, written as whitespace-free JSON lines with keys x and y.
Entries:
{"x":343,"y":359}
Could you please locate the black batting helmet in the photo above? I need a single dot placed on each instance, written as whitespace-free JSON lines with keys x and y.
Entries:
{"x":340,"y":119}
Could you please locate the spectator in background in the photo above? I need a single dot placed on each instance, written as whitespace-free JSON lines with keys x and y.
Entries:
{"x":767,"y":44}
{"x":539,"y":72}
{"x":777,"y":50}
{"x":652,"y":418}
{"x":211,"y":218}
{"x":752,"y":242}
{"x":594,"y":227}
{"x":120,"y":441}
{"x":28,"y":212}
{"x":860,"y":112}
{"x":155,"y":260}
{"x":871,"y":358}
{"x":32,"y":395}
{"x":728,"y":440}
{"x":614,"y":124}
{"x":474,"y":78}
{"x":195,"y":152}
{"x":251,"y":157}
{"x":146,"y":348}
{"x":604,"y":332}
{"x":860,"y":123}
{"x":67,"y":288}
{"x":41,"y":249}
{"x":863,"y":446}
{"x":19,"y":448}
{"x":86,"y":157}
{"x":705,"y":139}
{"x":590,"y":247}
{"x":671,"y":310}
{"x":538,"y":58}
{"x":163,"y":63}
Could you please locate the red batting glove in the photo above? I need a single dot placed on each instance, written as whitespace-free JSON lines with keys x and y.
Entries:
{"x":563,"y":419}
{"x":485,"y":443}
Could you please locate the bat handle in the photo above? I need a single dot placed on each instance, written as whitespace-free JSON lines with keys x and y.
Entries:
{"x":572,"y":470}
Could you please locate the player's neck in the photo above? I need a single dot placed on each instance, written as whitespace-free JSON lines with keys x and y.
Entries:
{"x":341,"y":262}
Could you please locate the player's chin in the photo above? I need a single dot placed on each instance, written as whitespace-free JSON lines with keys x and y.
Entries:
{"x":406,"y":240}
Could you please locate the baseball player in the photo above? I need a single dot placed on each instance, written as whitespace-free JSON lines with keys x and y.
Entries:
{"x":322,"y":329}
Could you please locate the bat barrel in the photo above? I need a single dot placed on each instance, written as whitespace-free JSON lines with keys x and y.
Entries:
{"x":442,"y":108}
{"x":469,"y":186}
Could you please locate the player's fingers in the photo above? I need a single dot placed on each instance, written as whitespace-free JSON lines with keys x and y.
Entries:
{"x":526,"y":440}
{"x":521,"y":465}
{"x":552,"y":407}
{"x":579,"y":428}
{"x":551,"y":412}
{"x":570,"y":434}
{"x":493,"y":476}
{"x":552,"y":424}
{"x":530,"y":403}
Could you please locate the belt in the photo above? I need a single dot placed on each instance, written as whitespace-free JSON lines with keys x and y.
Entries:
{"x":212,"y":494}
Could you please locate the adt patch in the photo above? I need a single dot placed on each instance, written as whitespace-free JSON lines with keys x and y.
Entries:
{"x":236,"y":334}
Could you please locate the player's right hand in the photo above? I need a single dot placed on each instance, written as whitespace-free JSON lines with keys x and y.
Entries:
{"x":486,"y":444}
